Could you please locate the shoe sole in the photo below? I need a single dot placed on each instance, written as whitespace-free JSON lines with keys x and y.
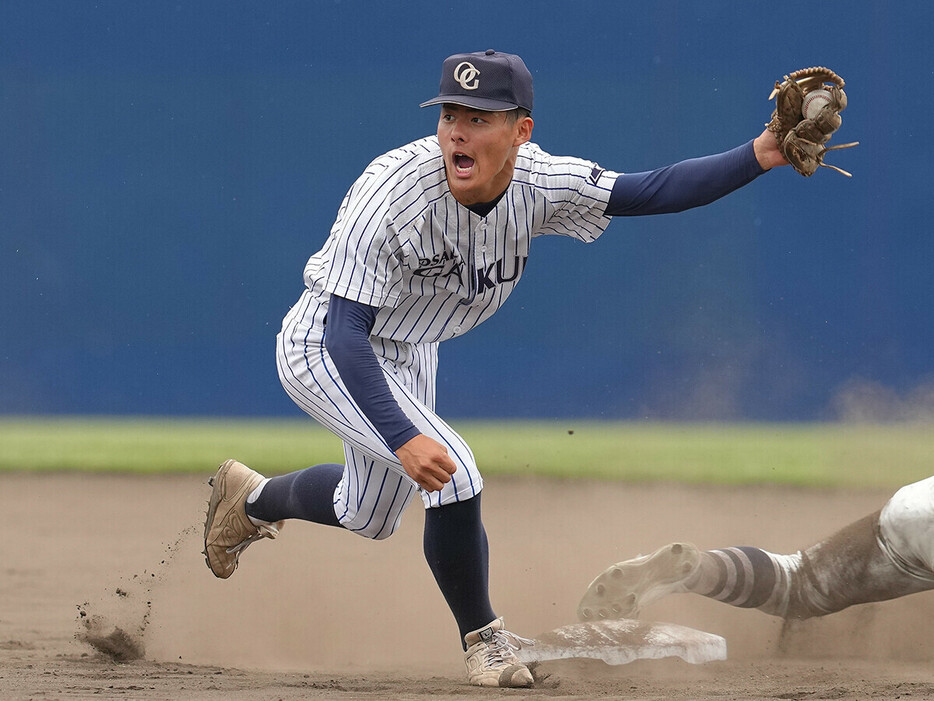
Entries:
{"x":515,"y":676}
{"x":623,"y":589}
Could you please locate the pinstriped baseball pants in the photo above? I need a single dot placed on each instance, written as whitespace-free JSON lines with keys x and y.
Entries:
{"x":374,"y":490}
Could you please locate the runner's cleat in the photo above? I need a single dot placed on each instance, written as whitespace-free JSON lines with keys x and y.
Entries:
{"x":623,"y":589}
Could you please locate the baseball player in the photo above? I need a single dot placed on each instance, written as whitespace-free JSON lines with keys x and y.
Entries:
{"x":428,"y":243}
{"x":882,"y":556}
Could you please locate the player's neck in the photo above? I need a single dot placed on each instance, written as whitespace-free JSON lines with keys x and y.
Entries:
{"x":484,"y":208}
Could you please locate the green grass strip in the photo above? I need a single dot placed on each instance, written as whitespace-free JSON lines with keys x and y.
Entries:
{"x":808,"y":455}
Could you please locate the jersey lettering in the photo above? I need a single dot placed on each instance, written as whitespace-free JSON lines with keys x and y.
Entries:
{"x":439,"y":265}
{"x":486,"y":280}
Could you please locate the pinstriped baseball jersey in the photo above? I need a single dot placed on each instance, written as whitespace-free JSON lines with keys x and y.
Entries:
{"x":403,"y":244}
{"x":434,"y":270}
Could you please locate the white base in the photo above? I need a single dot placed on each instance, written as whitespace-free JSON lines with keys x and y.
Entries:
{"x":625,"y":640}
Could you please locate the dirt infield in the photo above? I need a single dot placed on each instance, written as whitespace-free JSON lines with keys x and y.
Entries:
{"x":321,"y":614}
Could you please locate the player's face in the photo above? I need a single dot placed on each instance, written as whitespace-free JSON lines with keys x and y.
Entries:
{"x":479,"y":151}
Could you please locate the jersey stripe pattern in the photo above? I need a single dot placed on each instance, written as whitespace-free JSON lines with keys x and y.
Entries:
{"x":434,"y":270}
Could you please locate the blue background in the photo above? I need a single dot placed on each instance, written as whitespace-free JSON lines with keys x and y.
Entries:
{"x":166,"y":169}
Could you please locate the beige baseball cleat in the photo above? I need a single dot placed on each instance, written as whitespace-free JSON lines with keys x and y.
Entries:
{"x":491,"y":658}
{"x":227,"y":529}
{"x":623,"y":589}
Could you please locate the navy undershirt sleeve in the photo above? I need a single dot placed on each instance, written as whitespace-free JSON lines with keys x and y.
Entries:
{"x":691,"y":183}
{"x":347,"y":339}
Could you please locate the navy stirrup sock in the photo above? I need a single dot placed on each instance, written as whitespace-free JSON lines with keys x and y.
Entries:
{"x":458,"y":554}
{"x":306,"y":494}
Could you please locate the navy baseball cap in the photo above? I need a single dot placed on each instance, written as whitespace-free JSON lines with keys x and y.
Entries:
{"x":485,"y":80}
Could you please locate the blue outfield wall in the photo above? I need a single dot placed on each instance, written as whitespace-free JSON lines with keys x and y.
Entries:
{"x":167,"y":169}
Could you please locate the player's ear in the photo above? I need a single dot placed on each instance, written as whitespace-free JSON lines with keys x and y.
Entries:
{"x":523,"y":130}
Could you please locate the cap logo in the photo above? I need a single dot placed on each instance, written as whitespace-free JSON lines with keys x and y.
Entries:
{"x":466,"y":75}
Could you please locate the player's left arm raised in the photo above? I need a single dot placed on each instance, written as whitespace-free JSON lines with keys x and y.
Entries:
{"x":806,"y":115}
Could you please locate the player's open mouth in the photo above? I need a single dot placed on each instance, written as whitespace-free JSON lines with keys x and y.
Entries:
{"x":463,"y":165}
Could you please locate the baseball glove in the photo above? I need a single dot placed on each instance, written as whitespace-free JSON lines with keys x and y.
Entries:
{"x":807,"y":111}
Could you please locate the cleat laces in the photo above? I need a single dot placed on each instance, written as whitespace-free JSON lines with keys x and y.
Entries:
{"x":503,"y":644}
{"x":270,"y":530}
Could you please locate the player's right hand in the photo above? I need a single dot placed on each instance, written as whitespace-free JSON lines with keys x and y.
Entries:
{"x":427,"y":462}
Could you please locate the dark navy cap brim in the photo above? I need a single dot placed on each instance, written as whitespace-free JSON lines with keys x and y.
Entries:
{"x":477,"y":103}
